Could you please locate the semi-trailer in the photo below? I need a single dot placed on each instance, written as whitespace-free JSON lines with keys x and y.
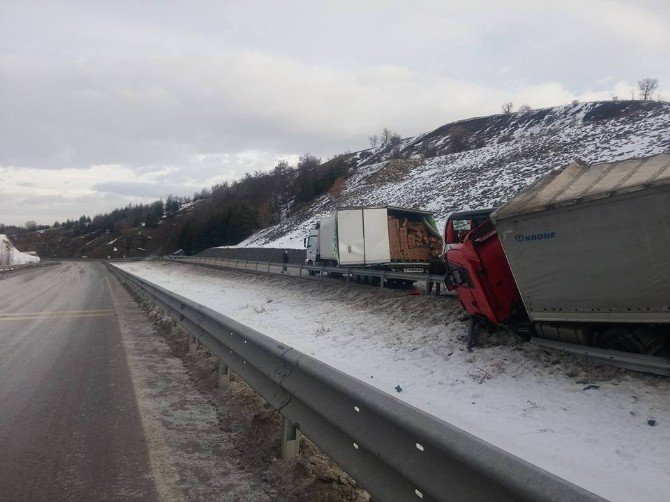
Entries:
{"x":582,"y":256}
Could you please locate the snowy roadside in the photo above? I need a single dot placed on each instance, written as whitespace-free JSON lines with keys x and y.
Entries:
{"x":9,"y":255}
{"x":587,"y":424}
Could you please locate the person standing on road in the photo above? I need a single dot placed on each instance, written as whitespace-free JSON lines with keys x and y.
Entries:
{"x":284,"y":258}
{"x":436,"y":267}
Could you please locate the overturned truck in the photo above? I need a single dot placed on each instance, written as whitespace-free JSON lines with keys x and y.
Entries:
{"x":581,"y":256}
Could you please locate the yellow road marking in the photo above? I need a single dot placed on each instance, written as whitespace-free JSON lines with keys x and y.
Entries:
{"x":59,"y":312}
{"x":25,"y":316}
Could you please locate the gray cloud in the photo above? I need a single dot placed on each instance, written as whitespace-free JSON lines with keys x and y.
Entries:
{"x":143,"y":190}
{"x":191,"y":94}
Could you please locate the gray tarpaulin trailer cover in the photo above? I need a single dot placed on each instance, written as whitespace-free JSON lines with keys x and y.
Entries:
{"x":592,"y":243}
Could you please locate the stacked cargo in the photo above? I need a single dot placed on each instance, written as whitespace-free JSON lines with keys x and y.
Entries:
{"x":412,"y":241}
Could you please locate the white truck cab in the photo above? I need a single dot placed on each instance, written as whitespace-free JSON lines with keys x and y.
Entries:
{"x":312,"y":246}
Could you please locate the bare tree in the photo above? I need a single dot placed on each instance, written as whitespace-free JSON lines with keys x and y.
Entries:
{"x":374,"y":140}
{"x":525,"y":108}
{"x":647,"y":86}
{"x":308,"y":161}
{"x":31,"y":225}
{"x":389,"y":137}
{"x":507,"y":108}
{"x":386,"y":135}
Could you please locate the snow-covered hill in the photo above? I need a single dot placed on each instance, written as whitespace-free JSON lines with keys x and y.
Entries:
{"x":484,"y":161}
{"x":9,"y":255}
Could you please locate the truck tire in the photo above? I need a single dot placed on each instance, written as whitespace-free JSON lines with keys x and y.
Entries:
{"x":627,"y":339}
{"x":311,"y":272}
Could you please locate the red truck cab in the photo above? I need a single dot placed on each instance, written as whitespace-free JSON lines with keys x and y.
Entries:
{"x":477,"y":267}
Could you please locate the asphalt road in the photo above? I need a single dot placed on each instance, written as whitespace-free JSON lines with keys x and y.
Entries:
{"x":69,"y":423}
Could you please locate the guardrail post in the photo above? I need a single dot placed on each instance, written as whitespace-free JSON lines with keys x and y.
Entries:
{"x":300,"y":271}
{"x":427,"y":284}
{"x":224,"y":375}
{"x":256,"y":267}
{"x":381,"y":280}
{"x":290,"y":440}
{"x":192,"y":344}
{"x":323,"y":266}
{"x":348,"y":274}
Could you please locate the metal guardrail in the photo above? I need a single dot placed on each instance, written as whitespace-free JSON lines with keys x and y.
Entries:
{"x":395,"y":451}
{"x":636,"y":362}
{"x":378,"y":277}
{"x":137,"y":258}
{"x":9,"y":268}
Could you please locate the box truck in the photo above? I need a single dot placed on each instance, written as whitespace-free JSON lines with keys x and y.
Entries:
{"x":379,"y":237}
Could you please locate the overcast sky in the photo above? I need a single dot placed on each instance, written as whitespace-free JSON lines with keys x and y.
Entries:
{"x":105,"y":103}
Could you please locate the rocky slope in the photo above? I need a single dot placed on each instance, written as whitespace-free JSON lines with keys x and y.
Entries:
{"x":482,"y":162}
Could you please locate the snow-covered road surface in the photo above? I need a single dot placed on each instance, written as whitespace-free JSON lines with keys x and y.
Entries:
{"x":588,"y":424}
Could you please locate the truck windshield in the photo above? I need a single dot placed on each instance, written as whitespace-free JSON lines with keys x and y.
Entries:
{"x":459,"y":229}
{"x":460,"y":224}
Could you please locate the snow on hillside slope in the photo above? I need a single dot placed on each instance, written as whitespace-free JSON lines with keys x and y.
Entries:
{"x":508,"y":152}
{"x":605,"y":429}
{"x":9,"y":255}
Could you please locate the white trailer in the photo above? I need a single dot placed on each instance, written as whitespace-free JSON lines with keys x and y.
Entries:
{"x":370,"y":236}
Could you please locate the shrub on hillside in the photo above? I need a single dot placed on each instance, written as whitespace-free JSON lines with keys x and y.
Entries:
{"x":314,"y":180}
{"x":459,"y":140}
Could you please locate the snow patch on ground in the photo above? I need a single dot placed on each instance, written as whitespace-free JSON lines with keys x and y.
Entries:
{"x":586,"y":423}
{"x":9,"y":255}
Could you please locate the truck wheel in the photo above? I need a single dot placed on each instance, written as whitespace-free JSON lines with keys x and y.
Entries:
{"x":311,"y":272}
{"x":639,"y":341}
